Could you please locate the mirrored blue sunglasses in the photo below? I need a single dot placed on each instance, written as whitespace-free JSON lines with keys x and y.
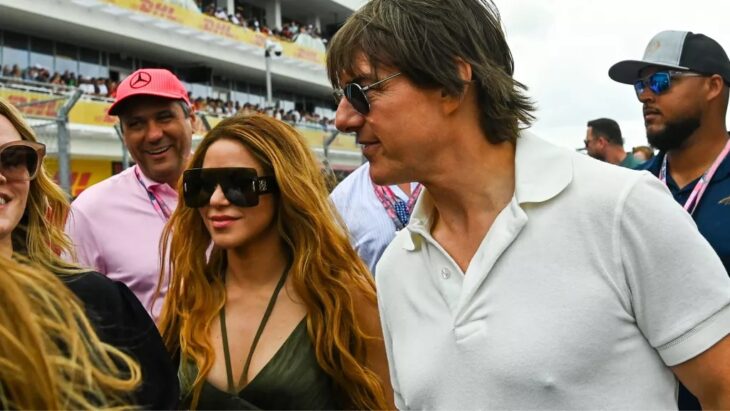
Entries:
{"x":660,"y":81}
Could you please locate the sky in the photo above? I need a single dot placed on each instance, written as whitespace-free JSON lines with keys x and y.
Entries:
{"x":563,"y":49}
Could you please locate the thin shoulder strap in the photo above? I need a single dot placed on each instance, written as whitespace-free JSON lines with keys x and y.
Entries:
{"x":259,"y":331}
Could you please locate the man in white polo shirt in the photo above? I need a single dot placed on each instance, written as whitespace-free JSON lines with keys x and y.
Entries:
{"x":529,"y":276}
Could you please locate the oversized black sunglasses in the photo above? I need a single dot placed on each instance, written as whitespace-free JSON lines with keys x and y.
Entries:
{"x":21,"y":160}
{"x":355,"y":94}
{"x":241,"y":185}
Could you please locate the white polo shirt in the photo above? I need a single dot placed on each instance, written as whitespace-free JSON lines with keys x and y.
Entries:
{"x":588,"y":285}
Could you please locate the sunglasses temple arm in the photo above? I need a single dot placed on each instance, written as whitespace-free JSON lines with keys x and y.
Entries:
{"x":265,"y":185}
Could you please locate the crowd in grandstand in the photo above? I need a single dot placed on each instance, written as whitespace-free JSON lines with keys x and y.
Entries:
{"x":289,"y":31}
{"x":106,"y":88}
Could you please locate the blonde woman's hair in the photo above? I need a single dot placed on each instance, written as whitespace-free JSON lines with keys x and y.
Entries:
{"x":40,"y":234}
{"x":50,"y":356}
{"x":326,"y":272}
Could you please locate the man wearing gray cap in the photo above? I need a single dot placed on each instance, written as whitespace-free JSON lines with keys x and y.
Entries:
{"x":682,"y":82}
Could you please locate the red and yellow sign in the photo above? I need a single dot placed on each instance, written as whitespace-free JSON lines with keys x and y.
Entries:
{"x":84,"y":173}
{"x":47,"y":105}
{"x":171,"y":12}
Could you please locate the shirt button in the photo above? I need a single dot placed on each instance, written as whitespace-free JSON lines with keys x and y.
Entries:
{"x":445,"y":273}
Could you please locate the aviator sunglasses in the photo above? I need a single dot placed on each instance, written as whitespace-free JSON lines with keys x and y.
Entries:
{"x":21,"y":160}
{"x":355,"y":94}
{"x":241,"y":185}
{"x":660,"y":81}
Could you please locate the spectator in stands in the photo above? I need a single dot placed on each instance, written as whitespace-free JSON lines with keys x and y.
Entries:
{"x":87,"y":85}
{"x":56,"y":79}
{"x":15,"y":72}
{"x":643,"y":153}
{"x":116,"y":224}
{"x":101,"y":88}
{"x":220,"y":14}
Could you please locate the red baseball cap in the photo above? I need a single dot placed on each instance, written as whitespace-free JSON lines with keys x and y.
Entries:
{"x":149,"y":82}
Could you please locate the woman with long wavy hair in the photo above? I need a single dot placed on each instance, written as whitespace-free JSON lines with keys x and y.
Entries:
{"x":50,"y":356}
{"x":268,"y":305}
{"x":32,"y":215}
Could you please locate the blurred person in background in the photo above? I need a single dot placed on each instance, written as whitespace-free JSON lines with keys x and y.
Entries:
{"x":643,"y":153}
{"x":282,"y":314}
{"x":32,"y":216}
{"x":604,"y":142}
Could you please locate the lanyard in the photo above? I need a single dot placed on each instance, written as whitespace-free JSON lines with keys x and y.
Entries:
{"x":157,"y":203}
{"x":398,"y":210}
{"x":694,"y":198}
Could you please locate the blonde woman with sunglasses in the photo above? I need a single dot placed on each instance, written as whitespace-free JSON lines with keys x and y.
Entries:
{"x":33,"y":210}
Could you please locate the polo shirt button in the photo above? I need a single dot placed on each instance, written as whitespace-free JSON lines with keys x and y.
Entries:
{"x":445,"y":273}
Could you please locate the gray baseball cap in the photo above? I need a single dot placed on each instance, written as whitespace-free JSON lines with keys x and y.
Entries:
{"x":678,"y":50}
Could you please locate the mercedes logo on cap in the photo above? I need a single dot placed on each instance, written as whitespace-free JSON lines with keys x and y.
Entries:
{"x":140,"y":80}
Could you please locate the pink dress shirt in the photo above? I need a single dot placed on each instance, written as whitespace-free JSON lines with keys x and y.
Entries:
{"x":116,"y":229}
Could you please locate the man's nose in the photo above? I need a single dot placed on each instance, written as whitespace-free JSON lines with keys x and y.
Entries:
{"x":154,"y":131}
{"x":646,"y":95}
{"x":347,"y":119}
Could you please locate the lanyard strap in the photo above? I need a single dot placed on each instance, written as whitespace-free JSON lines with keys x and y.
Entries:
{"x":157,"y":203}
{"x":398,"y":210}
{"x":224,"y":334}
{"x":699,"y":190}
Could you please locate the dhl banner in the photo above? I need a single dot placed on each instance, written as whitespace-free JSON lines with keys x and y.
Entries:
{"x":84,"y":173}
{"x":83,"y":112}
{"x":171,"y":12}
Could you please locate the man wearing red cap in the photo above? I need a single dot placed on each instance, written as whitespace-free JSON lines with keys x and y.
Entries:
{"x":116,"y":224}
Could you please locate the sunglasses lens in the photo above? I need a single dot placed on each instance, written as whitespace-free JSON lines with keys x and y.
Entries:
{"x":639,"y":87}
{"x":659,"y":82}
{"x":18,"y":163}
{"x":238,"y":187}
{"x":357,"y":98}
{"x":196,"y":192}
{"x":199,"y":184}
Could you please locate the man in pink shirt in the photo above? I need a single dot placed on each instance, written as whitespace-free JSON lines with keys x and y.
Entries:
{"x":116,"y":224}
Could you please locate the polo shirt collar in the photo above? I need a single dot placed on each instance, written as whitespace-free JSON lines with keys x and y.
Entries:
{"x":542,"y":171}
{"x":149,"y":183}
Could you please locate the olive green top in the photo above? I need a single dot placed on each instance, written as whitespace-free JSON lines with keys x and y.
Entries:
{"x":292,"y":379}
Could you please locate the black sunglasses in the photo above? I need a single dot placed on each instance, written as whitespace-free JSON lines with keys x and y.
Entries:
{"x":21,"y":160}
{"x":240,"y":185}
{"x":355,"y":94}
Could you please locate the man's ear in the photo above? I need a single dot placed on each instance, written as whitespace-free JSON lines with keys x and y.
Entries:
{"x":715,"y":87}
{"x":451,"y":103}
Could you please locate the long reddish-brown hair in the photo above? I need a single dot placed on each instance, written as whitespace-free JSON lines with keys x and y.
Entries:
{"x":326,"y":272}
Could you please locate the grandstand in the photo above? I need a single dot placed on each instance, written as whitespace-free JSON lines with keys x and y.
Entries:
{"x":50,"y":48}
